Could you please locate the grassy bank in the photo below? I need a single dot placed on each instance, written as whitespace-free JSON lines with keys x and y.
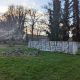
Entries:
{"x":46,"y":66}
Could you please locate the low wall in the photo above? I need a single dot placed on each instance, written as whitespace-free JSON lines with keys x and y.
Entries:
{"x":61,"y":46}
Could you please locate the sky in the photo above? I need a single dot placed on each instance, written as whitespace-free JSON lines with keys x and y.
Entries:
{"x":37,"y":4}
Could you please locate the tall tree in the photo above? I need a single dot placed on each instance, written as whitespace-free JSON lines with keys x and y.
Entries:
{"x":54,"y":20}
{"x":76,"y":18}
{"x":66,"y":19}
{"x":21,"y":16}
{"x":32,"y":19}
{"x":15,"y":19}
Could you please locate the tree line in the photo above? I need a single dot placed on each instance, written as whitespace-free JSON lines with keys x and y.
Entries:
{"x":23,"y":19}
{"x":61,"y":17}
{"x":67,"y":13}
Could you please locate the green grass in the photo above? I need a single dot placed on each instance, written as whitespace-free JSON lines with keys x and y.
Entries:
{"x":46,"y":66}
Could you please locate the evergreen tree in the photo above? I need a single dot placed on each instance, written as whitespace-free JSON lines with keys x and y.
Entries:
{"x":65,"y":19}
{"x":76,"y":19}
{"x":54,"y":20}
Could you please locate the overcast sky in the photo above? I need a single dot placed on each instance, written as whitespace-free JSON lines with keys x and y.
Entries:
{"x":26,"y":3}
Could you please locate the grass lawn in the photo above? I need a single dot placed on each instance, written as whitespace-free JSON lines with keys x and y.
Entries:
{"x":46,"y":66}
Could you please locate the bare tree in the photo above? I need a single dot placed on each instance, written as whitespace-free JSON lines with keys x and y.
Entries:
{"x":32,"y":19}
{"x":21,"y":16}
{"x":15,"y":19}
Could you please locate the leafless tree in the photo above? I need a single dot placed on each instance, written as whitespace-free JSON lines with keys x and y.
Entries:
{"x":15,"y":19}
{"x":33,"y":18}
